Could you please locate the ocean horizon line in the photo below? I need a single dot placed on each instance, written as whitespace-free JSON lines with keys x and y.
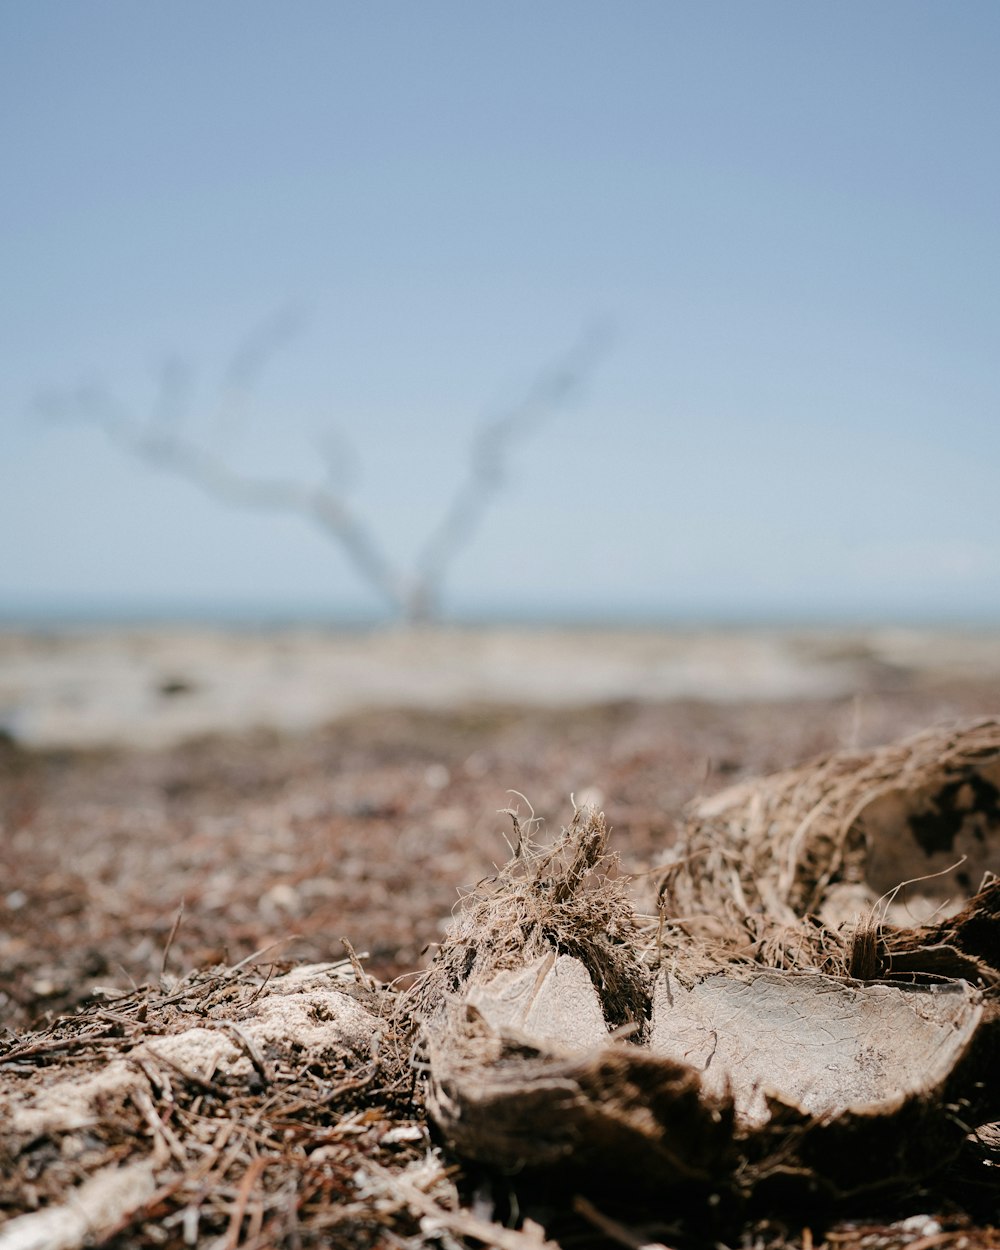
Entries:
{"x":55,"y":614}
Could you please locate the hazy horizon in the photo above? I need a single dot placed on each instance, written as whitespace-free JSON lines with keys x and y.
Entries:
{"x":239,"y":615}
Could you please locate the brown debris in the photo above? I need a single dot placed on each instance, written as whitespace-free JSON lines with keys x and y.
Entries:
{"x":777,"y":1039}
{"x":225,"y":1108}
{"x":520,"y":1009}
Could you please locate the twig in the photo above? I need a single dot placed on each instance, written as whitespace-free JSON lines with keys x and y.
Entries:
{"x":250,"y":1178}
{"x":199,"y":1082}
{"x":170,"y":938}
{"x":612,"y":1228}
{"x":360,"y":975}
{"x":165,"y":1139}
{"x":488,"y":460}
{"x":461,"y":1223}
{"x":249,"y":1048}
{"x":249,"y":959}
{"x":61,"y":1043}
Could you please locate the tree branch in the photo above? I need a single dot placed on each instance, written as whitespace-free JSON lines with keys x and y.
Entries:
{"x":160,"y":442}
{"x":167,"y":449}
{"x":488,"y":456}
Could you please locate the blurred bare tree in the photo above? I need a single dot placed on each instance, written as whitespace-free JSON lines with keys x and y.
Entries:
{"x":414,"y":595}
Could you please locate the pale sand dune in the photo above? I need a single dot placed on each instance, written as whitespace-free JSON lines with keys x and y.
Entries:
{"x":155,"y":686}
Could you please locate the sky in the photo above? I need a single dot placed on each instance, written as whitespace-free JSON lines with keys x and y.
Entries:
{"x":354,"y":233}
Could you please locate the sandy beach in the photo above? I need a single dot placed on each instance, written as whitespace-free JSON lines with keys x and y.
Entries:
{"x":153,"y":687}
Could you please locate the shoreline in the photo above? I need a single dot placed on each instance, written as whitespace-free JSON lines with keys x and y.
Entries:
{"x":157,"y":686}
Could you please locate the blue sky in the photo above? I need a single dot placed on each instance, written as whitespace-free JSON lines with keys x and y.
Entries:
{"x":789,"y":213}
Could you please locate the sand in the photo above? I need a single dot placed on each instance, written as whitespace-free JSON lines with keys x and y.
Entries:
{"x":154,"y":687}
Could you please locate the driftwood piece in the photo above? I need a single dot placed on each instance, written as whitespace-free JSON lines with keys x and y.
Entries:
{"x":304,"y":1012}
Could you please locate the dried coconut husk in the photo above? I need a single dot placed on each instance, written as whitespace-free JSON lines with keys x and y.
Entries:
{"x":528,"y":1073}
{"x":806,"y":871}
{"x":525,"y":1010}
{"x":802,"y":869}
{"x":569,"y":899}
{"x":966,"y":944}
{"x":823,"y":1045}
{"x":532,"y":1009}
